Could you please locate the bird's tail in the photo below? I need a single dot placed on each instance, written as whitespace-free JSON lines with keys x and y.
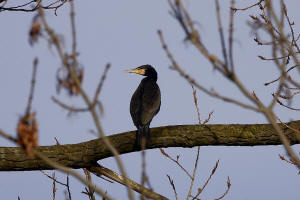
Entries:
{"x":143,"y":136}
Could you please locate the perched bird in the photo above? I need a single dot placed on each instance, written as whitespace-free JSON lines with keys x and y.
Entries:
{"x":145,"y":103}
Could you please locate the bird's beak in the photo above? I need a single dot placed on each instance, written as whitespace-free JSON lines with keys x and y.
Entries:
{"x":136,"y":71}
{"x":130,"y":71}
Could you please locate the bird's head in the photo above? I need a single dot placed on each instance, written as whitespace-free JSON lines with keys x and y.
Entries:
{"x":144,"y":70}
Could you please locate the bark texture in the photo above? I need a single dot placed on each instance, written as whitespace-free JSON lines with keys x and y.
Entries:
{"x":84,"y":155}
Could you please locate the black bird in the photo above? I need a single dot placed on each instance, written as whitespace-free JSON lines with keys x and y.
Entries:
{"x":145,"y":103}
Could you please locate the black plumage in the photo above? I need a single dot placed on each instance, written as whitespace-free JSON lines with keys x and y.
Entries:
{"x":145,"y":103}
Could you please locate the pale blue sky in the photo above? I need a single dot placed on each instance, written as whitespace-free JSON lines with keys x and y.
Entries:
{"x":124,"y":34}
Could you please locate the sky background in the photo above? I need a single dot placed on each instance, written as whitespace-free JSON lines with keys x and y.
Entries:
{"x":124,"y":33}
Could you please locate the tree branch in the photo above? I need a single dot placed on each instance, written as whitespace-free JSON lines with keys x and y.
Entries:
{"x":100,"y":170}
{"x":84,"y":155}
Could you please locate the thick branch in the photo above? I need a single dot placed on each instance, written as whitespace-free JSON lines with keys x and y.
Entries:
{"x":84,"y":155}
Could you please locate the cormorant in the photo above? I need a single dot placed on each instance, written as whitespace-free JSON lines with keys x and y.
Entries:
{"x":145,"y":103}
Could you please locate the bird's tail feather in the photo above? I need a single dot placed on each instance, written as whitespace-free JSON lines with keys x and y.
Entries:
{"x":143,"y":137}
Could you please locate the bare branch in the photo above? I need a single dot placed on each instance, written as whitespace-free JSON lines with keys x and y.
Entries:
{"x":100,"y":170}
{"x":34,"y":5}
{"x":33,"y":80}
{"x":227,"y":190}
{"x":89,"y":190}
{"x":173,"y":186}
{"x":230,"y":38}
{"x":224,"y":51}
{"x":177,"y":162}
{"x":251,"y":6}
{"x":198,"y":148}
{"x":207,"y":181}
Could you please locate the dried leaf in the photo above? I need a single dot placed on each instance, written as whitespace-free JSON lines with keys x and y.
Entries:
{"x":65,"y":80}
{"x":27,"y":131}
{"x":35,"y":30}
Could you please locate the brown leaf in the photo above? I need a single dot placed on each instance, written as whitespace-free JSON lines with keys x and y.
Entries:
{"x":65,"y":80}
{"x":35,"y":30}
{"x":27,"y":131}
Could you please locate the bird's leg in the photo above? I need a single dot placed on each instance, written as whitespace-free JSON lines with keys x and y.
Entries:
{"x":147,"y":135}
{"x":143,"y":137}
{"x":137,"y":144}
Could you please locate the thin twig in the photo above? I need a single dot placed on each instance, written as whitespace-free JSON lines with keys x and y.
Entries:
{"x":67,"y":107}
{"x":74,"y":40}
{"x":207,"y":181}
{"x":33,"y":80}
{"x":227,"y":190}
{"x":89,"y":190}
{"x":198,"y":148}
{"x":291,"y":68}
{"x":144,"y":177}
{"x":294,"y":42}
{"x":173,"y":186}
{"x":176,"y":161}
{"x":192,"y":34}
{"x":100,"y":170}
{"x":196,"y":104}
{"x":53,"y":185}
{"x":68,"y":188}
{"x":19,"y":6}
{"x":22,"y":7}
{"x":208,"y":118}
{"x":61,"y":183}
{"x":282,"y":104}
{"x":289,"y":127}
{"x":51,"y":177}
{"x":271,"y":118}
{"x":288,"y":161}
{"x":194,"y":174}
{"x":7,"y":136}
{"x":221,"y":35}
{"x":251,"y":6}
{"x":230,"y":38}
{"x":100,"y":85}
{"x":275,"y":58}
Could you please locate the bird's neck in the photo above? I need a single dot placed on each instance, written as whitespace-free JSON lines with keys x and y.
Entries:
{"x":153,"y":77}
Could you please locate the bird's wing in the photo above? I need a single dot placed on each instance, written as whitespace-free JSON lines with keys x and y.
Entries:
{"x":136,"y":106}
{"x":150,"y":103}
